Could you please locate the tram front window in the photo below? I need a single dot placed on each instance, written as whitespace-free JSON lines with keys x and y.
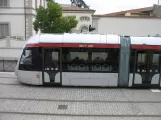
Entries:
{"x":26,"y":57}
{"x":30,"y":60}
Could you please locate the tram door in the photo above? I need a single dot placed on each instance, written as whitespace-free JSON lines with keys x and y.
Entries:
{"x":51,"y":65}
{"x":147,"y":71}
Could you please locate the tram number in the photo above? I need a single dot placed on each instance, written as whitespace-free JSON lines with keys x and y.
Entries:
{"x":86,"y":46}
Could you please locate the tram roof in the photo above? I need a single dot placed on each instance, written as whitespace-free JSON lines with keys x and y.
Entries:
{"x":75,"y":38}
{"x":91,"y":38}
{"x":145,"y":40}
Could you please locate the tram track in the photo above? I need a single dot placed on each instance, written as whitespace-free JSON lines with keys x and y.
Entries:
{"x":81,"y":115}
{"x":79,"y":101}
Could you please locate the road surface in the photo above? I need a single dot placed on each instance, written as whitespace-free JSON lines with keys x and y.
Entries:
{"x":19,"y":101}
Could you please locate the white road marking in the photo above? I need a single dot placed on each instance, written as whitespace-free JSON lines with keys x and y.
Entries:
{"x":155,"y":90}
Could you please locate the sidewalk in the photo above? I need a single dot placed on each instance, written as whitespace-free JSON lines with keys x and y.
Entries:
{"x":7,"y":74}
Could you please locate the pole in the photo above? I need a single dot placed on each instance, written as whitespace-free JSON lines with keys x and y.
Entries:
{"x":43,"y":18}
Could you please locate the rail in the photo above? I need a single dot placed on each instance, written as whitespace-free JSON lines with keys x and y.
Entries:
{"x":8,"y":65}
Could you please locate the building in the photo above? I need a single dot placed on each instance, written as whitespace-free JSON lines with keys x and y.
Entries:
{"x":16,"y":21}
{"x":16,"y":17}
{"x":83,"y":15}
{"x":135,"y":22}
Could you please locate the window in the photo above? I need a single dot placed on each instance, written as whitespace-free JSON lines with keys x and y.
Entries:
{"x":105,"y":60}
{"x":142,"y":61}
{"x":92,"y":60}
{"x":4,"y":3}
{"x":4,"y":30}
{"x":31,"y":59}
{"x":51,"y":58}
{"x":84,"y":18}
{"x":155,"y":59}
{"x":26,"y":57}
{"x":75,"y":59}
{"x":154,"y":62}
{"x":132,"y":61}
{"x":148,"y":61}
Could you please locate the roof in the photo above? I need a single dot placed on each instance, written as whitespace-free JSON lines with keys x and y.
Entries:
{"x":69,"y":7}
{"x":143,"y":17}
{"x":75,"y":38}
{"x":145,"y":40}
{"x":91,"y":38}
{"x":130,"y":11}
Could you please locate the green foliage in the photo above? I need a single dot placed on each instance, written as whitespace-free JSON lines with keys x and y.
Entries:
{"x":79,"y":3}
{"x":50,"y":20}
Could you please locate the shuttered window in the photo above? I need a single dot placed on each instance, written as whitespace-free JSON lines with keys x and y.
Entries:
{"x":4,"y":30}
{"x":4,"y":3}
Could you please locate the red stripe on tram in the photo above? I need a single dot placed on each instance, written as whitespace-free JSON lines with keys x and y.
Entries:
{"x":151,"y":47}
{"x":75,"y":45}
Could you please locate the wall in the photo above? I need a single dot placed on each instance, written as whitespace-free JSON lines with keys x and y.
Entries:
{"x":16,"y":3}
{"x":10,"y":48}
{"x":129,"y":26}
{"x":16,"y":24}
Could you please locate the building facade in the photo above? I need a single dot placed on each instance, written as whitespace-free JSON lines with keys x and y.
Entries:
{"x":83,"y":15}
{"x":131,"y":26}
{"x":135,"y":22}
{"x":17,"y":16}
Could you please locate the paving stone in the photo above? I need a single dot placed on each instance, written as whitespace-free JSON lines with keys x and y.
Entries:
{"x":9,"y":81}
{"x":52,"y":117}
{"x":19,"y":101}
{"x":80,"y":108}
{"x":77,"y":94}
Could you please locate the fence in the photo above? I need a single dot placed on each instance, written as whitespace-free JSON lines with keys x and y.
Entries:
{"x":7,"y":65}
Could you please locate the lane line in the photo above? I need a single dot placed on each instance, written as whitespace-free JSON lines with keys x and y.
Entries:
{"x":94,"y":101}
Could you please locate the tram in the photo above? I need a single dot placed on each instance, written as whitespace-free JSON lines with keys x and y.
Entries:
{"x":90,"y":60}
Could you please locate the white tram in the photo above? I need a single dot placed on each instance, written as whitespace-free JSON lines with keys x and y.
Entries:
{"x":91,"y":60}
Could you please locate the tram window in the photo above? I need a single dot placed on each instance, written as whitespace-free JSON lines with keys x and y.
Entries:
{"x":154,"y":63}
{"x":141,"y":58}
{"x":26,"y":57}
{"x":30,"y":59}
{"x":142,"y":61}
{"x":105,"y":60}
{"x":55,"y":56}
{"x":75,"y":59}
{"x":132,"y":61}
{"x":155,"y":59}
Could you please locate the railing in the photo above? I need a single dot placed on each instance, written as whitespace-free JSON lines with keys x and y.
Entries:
{"x":7,"y":65}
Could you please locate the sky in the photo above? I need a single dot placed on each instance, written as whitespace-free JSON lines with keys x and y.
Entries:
{"x":108,"y":6}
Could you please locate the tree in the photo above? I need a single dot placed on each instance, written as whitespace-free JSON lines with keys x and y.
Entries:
{"x":50,"y":19}
{"x":79,"y":3}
